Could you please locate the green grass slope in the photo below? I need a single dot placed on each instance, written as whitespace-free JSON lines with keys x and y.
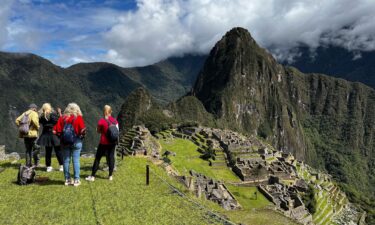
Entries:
{"x":126,"y":200}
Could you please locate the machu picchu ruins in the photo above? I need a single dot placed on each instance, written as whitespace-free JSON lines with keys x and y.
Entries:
{"x":210,"y":189}
{"x":276,"y":174}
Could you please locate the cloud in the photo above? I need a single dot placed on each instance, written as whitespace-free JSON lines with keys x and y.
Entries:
{"x":62,"y":31}
{"x":162,"y":28}
{"x":4,"y":17}
{"x":72,"y":31}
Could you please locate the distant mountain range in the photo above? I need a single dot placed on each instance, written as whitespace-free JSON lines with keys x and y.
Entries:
{"x":338,"y":62}
{"x":27,"y":78}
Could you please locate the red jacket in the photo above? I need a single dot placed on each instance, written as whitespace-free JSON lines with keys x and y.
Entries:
{"x":78,"y":125}
{"x":103,"y":128}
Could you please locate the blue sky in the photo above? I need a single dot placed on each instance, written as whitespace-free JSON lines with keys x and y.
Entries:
{"x":54,"y":28}
{"x":136,"y":33}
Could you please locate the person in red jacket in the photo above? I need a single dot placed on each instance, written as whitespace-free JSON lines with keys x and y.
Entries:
{"x":71,"y":129}
{"x":106,"y":147}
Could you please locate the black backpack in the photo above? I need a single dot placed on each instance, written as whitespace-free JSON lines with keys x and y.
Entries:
{"x":68,"y":136}
{"x":26,"y":175}
{"x":112,"y":132}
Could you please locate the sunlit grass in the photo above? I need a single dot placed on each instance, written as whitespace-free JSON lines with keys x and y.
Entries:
{"x":125,"y":200}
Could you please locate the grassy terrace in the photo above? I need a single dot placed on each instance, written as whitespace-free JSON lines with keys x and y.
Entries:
{"x":255,"y":211}
{"x":125,"y":200}
{"x":187,"y":158}
{"x":329,"y":203}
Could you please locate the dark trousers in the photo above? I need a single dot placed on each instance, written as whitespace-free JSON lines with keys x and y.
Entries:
{"x":109,"y":152}
{"x":58,"y":152}
{"x":30,"y":153}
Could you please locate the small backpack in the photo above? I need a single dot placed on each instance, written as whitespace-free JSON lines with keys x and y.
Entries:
{"x":26,"y":175}
{"x":24,"y":125}
{"x":68,"y":136}
{"x":112,"y":132}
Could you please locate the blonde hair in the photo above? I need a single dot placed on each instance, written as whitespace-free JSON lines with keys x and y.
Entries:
{"x":72,"y":109}
{"x":45,"y":110}
{"x":107,"y":110}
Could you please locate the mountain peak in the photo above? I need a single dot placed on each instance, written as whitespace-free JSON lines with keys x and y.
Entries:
{"x":241,"y":33}
{"x":236,"y":62}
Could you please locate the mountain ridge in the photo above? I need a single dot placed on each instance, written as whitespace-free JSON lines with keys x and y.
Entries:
{"x":26,"y":78}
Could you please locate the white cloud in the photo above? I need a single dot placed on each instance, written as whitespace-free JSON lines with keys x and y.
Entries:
{"x":70,"y":31}
{"x":4,"y":17}
{"x":162,"y":28}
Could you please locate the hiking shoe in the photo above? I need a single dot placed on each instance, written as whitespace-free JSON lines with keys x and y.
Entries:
{"x":49,"y":169}
{"x":110,"y":178}
{"x":76,"y":183}
{"x":67,"y":182}
{"x":61,"y":169}
{"x":90,"y":178}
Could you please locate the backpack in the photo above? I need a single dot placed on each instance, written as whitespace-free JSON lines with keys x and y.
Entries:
{"x":68,"y":136}
{"x":24,"y":126}
{"x":112,"y":132}
{"x":26,"y":175}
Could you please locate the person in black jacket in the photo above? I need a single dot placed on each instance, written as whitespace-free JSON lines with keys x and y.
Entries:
{"x":48,"y":118}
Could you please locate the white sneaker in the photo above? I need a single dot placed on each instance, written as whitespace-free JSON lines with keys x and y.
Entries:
{"x":110,"y":178}
{"x":49,"y":169}
{"x":61,"y":168}
{"x":77,"y":183}
{"x":67,"y":182}
{"x":90,"y":178}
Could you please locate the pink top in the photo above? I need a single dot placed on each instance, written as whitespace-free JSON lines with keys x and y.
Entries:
{"x":103,"y":127}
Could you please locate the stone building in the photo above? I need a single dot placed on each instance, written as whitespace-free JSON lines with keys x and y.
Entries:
{"x":210,"y":189}
{"x":287,"y":200}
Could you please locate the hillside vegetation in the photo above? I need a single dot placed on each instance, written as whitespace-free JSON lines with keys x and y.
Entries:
{"x":27,"y":78}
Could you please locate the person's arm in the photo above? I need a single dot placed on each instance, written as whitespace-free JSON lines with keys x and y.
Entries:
{"x":81,"y":127}
{"x":35,"y":120}
{"x":99,"y":127}
{"x":54,"y":118}
{"x":57,"y":129}
{"x":59,"y":112}
{"x":18,"y":120}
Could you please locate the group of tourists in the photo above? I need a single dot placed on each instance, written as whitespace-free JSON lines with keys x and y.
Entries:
{"x":63,"y":132}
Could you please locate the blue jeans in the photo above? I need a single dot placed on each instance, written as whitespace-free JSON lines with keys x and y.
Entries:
{"x":74,"y":152}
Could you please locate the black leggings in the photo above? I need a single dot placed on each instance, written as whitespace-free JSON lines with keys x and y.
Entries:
{"x":31,"y":152}
{"x":109,"y":152}
{"x":49,"y":155}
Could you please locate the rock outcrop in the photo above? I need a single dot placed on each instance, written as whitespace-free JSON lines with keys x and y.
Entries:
{"x":13,"y":156}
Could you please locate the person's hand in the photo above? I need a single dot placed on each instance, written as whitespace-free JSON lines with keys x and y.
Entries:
{"x":59,"y":111}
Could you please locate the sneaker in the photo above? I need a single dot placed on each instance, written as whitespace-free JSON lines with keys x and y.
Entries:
{"x":61,"y":169}
{"x":49,"y":169}
{"x":110,"y":178}
{"x":77,"y":183}
{"x":67,"y":182}
{"x":90,"y":178}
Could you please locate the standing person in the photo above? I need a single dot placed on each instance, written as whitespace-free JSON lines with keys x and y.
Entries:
{"x":71,"y":129}
{"x":107,"y":127}
{"x":28,"y":126}
{"x":48,"y":119}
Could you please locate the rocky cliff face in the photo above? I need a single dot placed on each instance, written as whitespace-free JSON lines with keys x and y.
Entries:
{"x":244,"y":87}
{"x":326,"y":121}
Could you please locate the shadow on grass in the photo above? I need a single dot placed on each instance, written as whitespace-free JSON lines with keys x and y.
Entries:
{"x":11,"y":165}
{"x":86,"y":167}
{"x":42,"y":181}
